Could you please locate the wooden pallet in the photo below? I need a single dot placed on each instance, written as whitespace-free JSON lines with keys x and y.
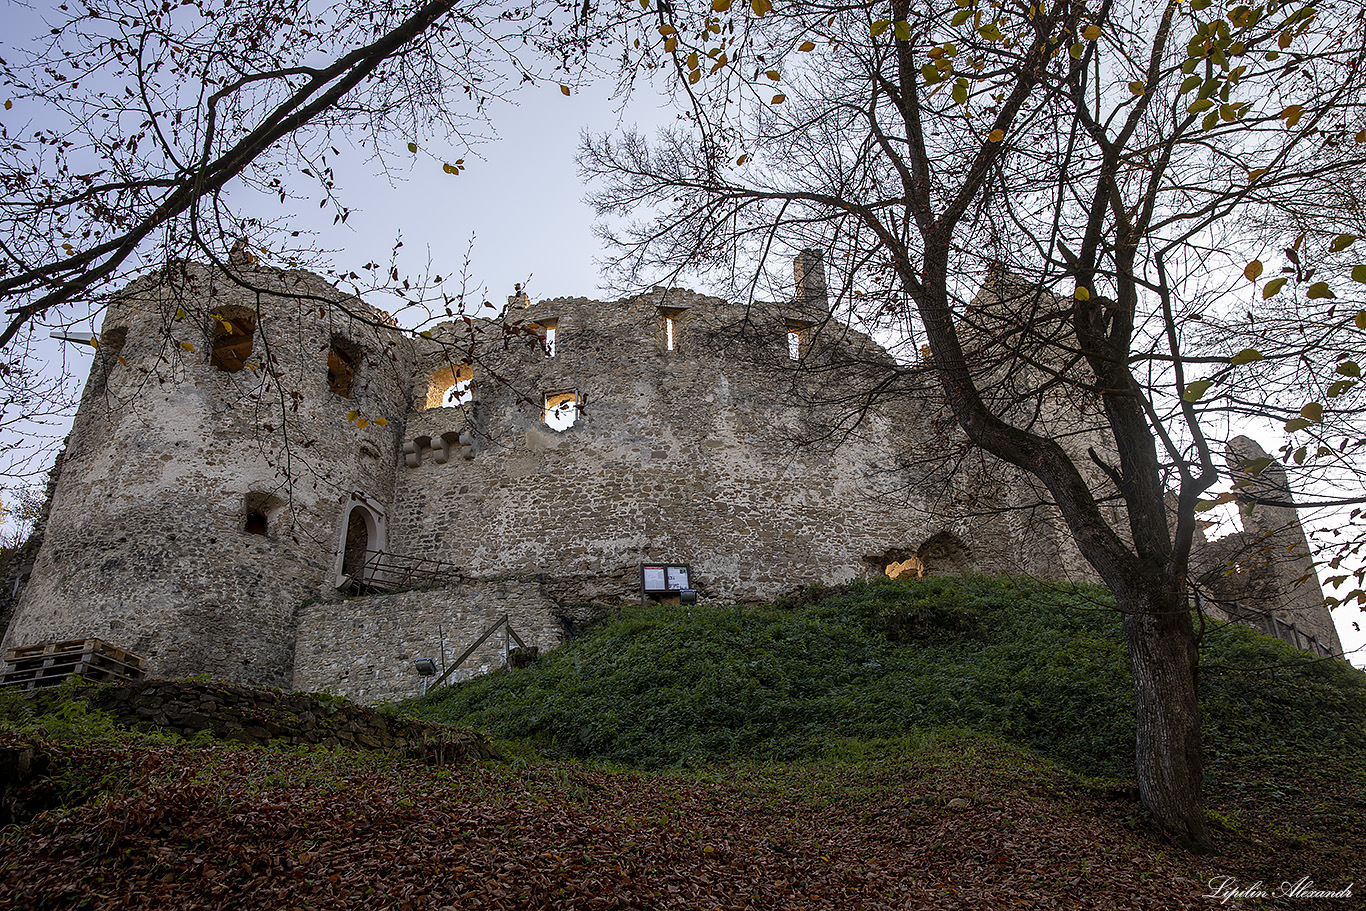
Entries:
{"x":50,"y":663}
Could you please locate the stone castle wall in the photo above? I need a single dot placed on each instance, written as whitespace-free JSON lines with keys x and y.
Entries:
{"x":145,"y":543}
{"x":218,"y":498}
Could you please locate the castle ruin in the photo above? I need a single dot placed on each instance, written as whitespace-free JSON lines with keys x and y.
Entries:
{"x":269,"y":482}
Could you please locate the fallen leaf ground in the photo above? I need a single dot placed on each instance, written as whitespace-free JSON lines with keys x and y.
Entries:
{"x":200,"y":827}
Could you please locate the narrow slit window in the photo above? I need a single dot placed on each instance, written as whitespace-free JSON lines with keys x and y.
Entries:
{"x":797,"y":339}
{"x":233,"y":336}
{"x":672,"y":321}
{"x":561,"y":410}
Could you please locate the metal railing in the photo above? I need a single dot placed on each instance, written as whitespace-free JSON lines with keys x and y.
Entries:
{"x":1268,"y":623}
{"x":385,"y":572}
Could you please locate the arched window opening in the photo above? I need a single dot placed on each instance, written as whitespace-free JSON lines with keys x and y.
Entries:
{"x":451,"y":386}
{"x":944,"y":555}
{"x":233,"y":333}
{"x":343,"y":357}
{"x":561,"y":410}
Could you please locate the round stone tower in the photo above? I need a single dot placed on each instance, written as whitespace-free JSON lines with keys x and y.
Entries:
{"x":229,"y":460}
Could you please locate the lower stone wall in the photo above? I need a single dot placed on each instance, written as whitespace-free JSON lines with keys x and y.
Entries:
{"x":363,"y":648}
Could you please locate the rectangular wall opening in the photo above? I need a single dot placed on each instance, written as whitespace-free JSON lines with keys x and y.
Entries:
{"x":561,"y":409}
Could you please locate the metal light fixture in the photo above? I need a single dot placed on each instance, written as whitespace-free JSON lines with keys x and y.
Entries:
{"x":425,"y":666}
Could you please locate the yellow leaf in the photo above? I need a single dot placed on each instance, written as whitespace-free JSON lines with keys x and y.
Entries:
{"x":1253,"y":270}
{"x":720,"y":6}
{"x":806,"y":46}
{"x":694,"y":76}
{"x":773,"y":74}
{"x":180,"y":313}
{"x":352,"y":415}
{"x":692,"y":60}
{"x":1320,"y":290}
{"x":412,"y":147}
{"x":1361,"y":137}
{"x":1256,"y":173}
{"x":1137,"y":87}
{"x":8,"y":105}
{"x":1292,"y":114}
{"x":564,"y":90}
{"x":1091,"y":32}
{"x":1273,"y":288}
{"x":1081,"y":293}
{"x":361,"y":423}
{"x":670,"y":45}
{"x":778,"y":99}
{"x":187,"y":346}
{"x":761,"y":7}
{"x":1361,"y":319}
{"x":666,"y":30}
{"x":742,"y":159}
{"x":996,"y":135}
{"x":1312,"y":412}
{"x":381,"y":422}
{"x":94,"y":343}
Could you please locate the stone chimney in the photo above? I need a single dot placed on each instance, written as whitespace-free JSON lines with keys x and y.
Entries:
{"x":809,"y":272}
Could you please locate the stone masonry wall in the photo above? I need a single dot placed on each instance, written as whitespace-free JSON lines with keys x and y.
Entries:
{"x":148,"y":543}
{"x":363,"y":648}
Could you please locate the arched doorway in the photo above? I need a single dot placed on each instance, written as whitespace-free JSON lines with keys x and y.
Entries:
{"x":362,"y":539}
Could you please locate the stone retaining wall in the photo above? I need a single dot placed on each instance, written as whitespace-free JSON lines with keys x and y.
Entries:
{"x":363,"y":648}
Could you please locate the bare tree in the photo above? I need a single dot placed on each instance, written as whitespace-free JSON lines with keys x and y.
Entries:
{"x":1089,"y":164}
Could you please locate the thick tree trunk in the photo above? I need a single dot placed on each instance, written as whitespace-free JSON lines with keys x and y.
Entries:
{"x":1169,"y":759}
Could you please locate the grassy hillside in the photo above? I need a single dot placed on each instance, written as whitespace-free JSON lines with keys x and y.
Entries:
{"x":1040,"y":665}
{"x":907,"y":705}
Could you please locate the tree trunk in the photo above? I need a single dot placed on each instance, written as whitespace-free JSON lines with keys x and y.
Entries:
{"x":1169,"y":759}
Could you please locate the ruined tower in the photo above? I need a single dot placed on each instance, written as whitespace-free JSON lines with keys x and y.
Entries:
{"x":209,"y":468}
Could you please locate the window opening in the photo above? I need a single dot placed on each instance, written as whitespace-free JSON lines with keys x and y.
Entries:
{"x":232,"y":340}
{"x":342,"y":359}
{"x":561,"y":410}
{"x":796,"y":338}
{"x":671,"y":317}
{"x":458,"y":394}
{"x":256,"y":523}
{"x":910,"y":568}
{"x":450,"y":386}
{"x":552,"y":332}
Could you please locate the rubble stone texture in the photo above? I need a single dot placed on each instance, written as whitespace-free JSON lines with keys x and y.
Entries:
{"x":253,"y":449}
